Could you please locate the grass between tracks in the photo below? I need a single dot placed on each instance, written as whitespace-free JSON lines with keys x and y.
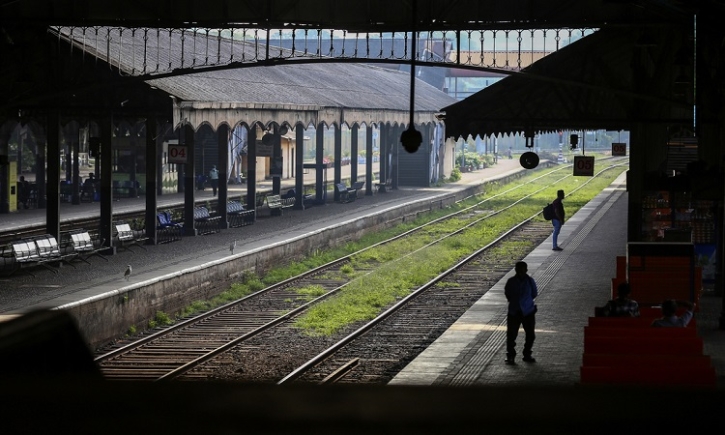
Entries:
{"x":367,"y":295}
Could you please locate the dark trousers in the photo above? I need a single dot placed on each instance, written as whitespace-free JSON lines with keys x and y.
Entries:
{"x":214,"y":186}
{"x":513,"y":322}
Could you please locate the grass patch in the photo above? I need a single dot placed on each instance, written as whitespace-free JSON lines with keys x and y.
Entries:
{"x":160,"y":319}
{"x":311,"y":292}
{"x":367,"y":296}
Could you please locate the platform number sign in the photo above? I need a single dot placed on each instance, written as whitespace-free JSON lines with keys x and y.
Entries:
{"x":177,"y":154}
{"x":619,"y":149}
{"x":583,"y":166}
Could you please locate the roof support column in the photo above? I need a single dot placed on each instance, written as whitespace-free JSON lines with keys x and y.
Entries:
{"x":299,"y":167}
{"x":252,"y":168}
{"x":276,"y":169}
{"x":41,"y":138}
{"x":395,"y":154}
{"x":383,"y":147}
{"x":187,"y":133}
{"x":369,"y":160}
{"x":151,"y":176}
{"x":6,"y":182}
{"x":320,"y":189}
{"x":52,"y":213}
{"x":75,"y":146}
{"x":646,"y":154}
{"x":106,"y":193}
{"x":223,"y":152}
{"x":338,"y":159}
{"x":353,"y":153}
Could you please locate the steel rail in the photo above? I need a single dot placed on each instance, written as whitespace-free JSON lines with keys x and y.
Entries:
{"x":327,"y":353}
{"x":229,"y":344}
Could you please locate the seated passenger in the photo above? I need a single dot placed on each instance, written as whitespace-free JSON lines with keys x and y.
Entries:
{"x":622,"y":306}
{"x":669,"y":314}
{"x":290,"y":194}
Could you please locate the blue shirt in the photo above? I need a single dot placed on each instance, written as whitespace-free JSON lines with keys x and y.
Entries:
{"x":674,"y":321}
{"x":521,"y":292}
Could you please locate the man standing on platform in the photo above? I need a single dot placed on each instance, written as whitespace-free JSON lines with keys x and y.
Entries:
{"x":558,"y":219}
{"x":520,"y":292}
{"x":214,"y":179}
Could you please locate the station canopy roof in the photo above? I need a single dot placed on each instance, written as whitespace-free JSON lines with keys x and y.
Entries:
{"x":608,"y":80}
{"x":291,"y":87}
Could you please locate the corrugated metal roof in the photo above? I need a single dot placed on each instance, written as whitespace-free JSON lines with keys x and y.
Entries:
{"x":329,"y":84}
{"x":323,"y":85}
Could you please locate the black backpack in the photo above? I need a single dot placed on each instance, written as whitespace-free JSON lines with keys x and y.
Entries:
{"x":549,"y":212}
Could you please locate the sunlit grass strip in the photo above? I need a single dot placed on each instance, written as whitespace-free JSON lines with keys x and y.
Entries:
{"x":250,"y":283}
{"x":366,"y":297}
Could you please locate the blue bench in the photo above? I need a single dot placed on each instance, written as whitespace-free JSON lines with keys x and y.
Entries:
{"x":205,"y":223}
{"x":168,"y":230}
{"x":238,"y":215}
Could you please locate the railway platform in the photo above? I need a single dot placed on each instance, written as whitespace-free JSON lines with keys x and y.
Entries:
{"x":571,"y":283}
{"x":23,"y":292}
{"x":459,"y":383}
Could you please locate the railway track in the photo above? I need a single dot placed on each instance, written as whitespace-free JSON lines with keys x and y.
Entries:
{"x":381,"y":348}
{"x":203,"y":346}
{"x":377,"y":350}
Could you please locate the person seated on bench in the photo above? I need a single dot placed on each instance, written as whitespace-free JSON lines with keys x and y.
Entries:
{"x":622,"y":306}
{"x":290,"y":194}
{"x":670,"y":319}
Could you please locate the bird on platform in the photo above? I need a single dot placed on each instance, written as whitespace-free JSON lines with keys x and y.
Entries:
{"x":127,"y":273}
{"x":232,"y":246}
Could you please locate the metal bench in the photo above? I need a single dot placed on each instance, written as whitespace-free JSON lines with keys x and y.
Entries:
{"x":238,"y":215}
{"x":127,"y":237}
{"x":347,"y":194}
{"x":358,"y":186}
{"x":276,"y":203}
{"x":168,"y":230}
{"x":83,"y":245}
{"x":38,"y":251}
{"x":384,"y":187}
{"x":205,"y":222}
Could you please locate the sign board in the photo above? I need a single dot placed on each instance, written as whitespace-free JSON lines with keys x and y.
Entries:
{"x":263,"y":150}
{"x":619,"y":149}
{"x":177,"y":154}
{"x":583,"y":166}
{"x":276,"y":169}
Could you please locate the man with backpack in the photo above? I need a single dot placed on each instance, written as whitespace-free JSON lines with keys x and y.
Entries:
{"x":558,"y":219}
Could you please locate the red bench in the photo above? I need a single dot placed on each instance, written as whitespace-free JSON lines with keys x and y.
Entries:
{"x":647,"y":332}
{"x":651,"y":376}
{"x":632,"y":360}
{"x":629,"y":322}
{"x":644,"y":345}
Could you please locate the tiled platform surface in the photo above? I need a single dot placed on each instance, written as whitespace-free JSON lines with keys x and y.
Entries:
{"x":571,"y":283}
